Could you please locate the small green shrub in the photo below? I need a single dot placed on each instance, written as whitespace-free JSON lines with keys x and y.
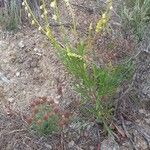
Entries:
{"x":135,"y":17}
{"x":97,"y":85}
{"x":46,"y":116}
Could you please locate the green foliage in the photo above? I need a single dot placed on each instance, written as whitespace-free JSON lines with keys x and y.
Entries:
{"x":135,"y":17}
{"x":43,"y":122}
{"x":95,"y":85}
{"x":46,"y":116}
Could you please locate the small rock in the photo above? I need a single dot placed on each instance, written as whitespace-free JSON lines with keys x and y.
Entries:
{"x":109,"y":144}
{"x":140,"y":141}
{"x":17,"y":74}
{"x":3,"y":45}
{"x":91,"y":147}
{"x":4,"y":78}
{"x":147,"y":120}
{"x":48,"y":146}
{"x":21,"y":44}
{"x":11,"y":100}
{"x":142,"y":111}
{"x":71,"y":144}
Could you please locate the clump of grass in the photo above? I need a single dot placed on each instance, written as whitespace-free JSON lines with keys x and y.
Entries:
{"x":10,"y":16}
{"x":46,"y":116}
{"x":95,"y":84}
{"x":135,"y":17}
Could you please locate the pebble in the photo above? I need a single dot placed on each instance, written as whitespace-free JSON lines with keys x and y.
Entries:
{"x":11,"y":100}
{"x":4,"y":78}
{"x":71,"y":144}
{"x":21,"y":44}
{"x":91,"y":147}
{"x":48,"y":146}
{"x":109,"y":144}
{"x":18,"y":74}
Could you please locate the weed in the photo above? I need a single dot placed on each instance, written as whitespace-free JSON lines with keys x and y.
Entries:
{"x":135,"y":17}
{"x":46,"y":116}
{"x":95,"y":84}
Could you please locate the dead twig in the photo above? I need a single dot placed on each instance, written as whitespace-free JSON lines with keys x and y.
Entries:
{"x":62,"y":140}
{"x":98,"y":137}
{"x":127,"y":134}
{"x":14,"y":131}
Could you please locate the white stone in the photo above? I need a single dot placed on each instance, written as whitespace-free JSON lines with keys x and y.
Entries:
{"x":21,"y":44}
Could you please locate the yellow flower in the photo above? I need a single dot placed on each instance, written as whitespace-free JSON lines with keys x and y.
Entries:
{"x":74,"y":55}
{"x":45,"y":12}
{"x":48,"y":33}
{"x":41,"y":7}
{"x":104,"y":16}
{"x":111,"y":8}
{"x":42,"y":16}
{"x":54,"y":17}
{"x":53,"y":4}
{"x":40,"y":28}
{"x":33,"y":22}
{"x":29,"y":15}
{"x":23,"y":3}
{"x":26,"y":8}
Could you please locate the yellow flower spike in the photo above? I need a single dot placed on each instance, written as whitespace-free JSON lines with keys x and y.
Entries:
{"x":74,"y":55}
{"x":104,"y":21}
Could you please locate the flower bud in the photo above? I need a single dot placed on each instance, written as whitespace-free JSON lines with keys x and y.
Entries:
{"x":111,"y":8}
{"x":53,"y":4}
{"x":104,"y":16}
{"x":29,"y":15}
{"x":45,"y":12}
{"x":23,"y":3}
{"x":42,"y":16}
{"x":40,"y":28}
{"x":45,"y":117}
{"x":26,"y":8}
{"x":54,"y":17}
{"x":33,"y":22}
{"x":41,"y":7}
